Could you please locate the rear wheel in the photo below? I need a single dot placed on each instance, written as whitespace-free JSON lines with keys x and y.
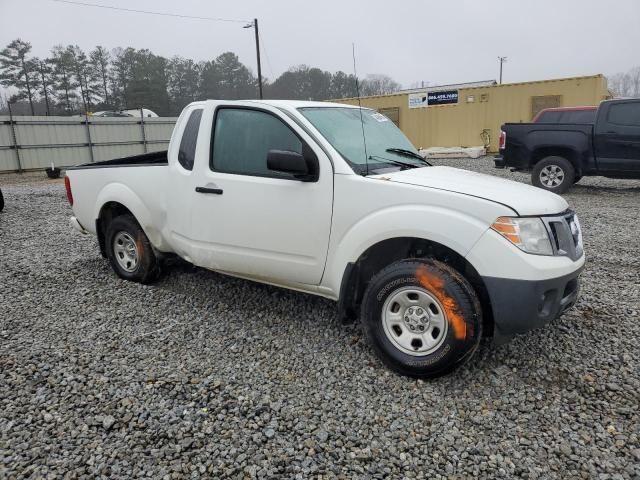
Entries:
{"x":555,"y":174}
{"x":129,"y":250}
{"x":1,"y":201}
{"x":422,"y":318}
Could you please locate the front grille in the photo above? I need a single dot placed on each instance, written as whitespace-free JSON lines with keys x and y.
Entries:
{"x":566,"y":234}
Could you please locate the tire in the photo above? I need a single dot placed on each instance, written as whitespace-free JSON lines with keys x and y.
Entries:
{"x":129,"y":251}
{"x":555,"y":174}
{"x":1,"y":201}
{"x":406,"y":342}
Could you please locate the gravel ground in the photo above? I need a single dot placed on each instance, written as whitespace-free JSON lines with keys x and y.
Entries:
{"x":204,"y":376}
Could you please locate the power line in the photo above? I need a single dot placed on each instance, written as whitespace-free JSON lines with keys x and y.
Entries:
{"x":148,"y":12}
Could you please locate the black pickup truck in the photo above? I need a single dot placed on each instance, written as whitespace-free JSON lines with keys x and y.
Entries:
{"x":559,"y":155}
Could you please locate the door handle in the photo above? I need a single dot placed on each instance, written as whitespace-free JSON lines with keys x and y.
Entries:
{"x":214,"y":191}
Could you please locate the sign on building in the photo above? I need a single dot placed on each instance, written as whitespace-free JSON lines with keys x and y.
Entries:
{"x":425,"y":99}
{"x":417,"y":100}
{"x":443,"y":97}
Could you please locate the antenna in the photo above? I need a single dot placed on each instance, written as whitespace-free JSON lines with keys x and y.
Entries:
{"x":364,"y":138}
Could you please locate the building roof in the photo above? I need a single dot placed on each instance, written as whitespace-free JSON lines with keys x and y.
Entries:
{"x":469,"y":85}
{"x":431,"y":88}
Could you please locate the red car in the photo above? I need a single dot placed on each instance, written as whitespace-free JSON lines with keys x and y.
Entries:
{"x":566,"y":115}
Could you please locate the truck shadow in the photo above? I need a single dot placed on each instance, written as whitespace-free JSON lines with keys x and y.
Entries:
{"x":602,"y":189}
{"x":306,"y":312}
{"x":227,"y":302}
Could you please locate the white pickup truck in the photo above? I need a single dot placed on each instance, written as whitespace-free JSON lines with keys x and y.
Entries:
{"x":334,"y":200}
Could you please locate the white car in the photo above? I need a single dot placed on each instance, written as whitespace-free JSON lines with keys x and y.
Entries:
{"x":126,"y":113}
{"x":334,"y":200}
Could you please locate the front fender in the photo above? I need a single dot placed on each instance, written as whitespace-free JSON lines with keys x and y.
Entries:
{"x":453,"y":229}
{"x":120,"y":193}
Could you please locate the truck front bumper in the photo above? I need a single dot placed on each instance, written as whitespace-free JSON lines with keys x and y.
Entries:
{"x":522,"y":305}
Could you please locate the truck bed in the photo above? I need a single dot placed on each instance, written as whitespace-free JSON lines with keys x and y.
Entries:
{"x":525,"y":141}
{"x":145,"y":159}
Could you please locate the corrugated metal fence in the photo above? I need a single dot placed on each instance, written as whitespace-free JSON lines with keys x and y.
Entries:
{"x":31,"y":143}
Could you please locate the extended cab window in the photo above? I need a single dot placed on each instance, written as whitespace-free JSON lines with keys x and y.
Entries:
{"x":549,"y":117}
{"x":243,"y":137}
{"x":187,"y":151}
{"x":625,"y":114}
{"x":580,"y":116}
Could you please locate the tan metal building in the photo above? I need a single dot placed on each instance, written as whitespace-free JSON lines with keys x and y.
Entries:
{"x":465,"y":116}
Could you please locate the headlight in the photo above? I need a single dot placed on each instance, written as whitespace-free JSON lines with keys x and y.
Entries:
{"x":528,"y":234}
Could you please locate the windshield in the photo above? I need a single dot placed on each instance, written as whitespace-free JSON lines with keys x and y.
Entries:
{"x":342,"y":127}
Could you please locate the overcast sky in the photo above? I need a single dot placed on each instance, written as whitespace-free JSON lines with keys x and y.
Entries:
{"x":445,"y":41}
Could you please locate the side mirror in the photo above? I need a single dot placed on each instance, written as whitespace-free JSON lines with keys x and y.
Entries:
{"x":289,"y":162}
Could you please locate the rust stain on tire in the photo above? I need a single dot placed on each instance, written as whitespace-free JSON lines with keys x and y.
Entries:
{"x":435,"y":285}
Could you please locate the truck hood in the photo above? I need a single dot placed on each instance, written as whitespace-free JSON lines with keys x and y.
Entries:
{"x":524,"y":199}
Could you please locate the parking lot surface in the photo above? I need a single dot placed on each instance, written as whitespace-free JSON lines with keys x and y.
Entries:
{"x":205,"y":376}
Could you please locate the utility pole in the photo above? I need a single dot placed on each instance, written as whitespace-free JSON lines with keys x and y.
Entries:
{"x":254,"y":25}
{"x":501,"y":60}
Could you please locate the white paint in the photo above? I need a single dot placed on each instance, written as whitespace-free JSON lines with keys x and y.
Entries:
{"x":303,"y":235}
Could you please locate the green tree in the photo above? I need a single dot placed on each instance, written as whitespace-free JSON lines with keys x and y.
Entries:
{"x":100,"y":61}
{"x":121,"y":64}
{"x":64,"y":84}
{"x":235,"y":80}
{"x":183,"y":82}
{"x":147,"y":82}
{"x":343,"y":85}
{"x":302,"y":83}
{"x":85,"y":76}
{"x":209,"y":86}
{"x":45,"y":82}
{"x":17,"y":71}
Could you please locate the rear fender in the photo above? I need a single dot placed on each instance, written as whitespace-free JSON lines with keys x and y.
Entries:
{"x":120,"y":193}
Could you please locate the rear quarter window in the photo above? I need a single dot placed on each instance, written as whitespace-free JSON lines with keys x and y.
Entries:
{"x":187,"y":151}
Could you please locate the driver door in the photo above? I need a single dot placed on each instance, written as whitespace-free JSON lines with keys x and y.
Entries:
{"x":249,"y":220}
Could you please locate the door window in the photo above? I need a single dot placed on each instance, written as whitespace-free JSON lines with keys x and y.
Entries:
{"x":243,"y":137}
{"x":187,"y":151}
{"x":625,"y":114}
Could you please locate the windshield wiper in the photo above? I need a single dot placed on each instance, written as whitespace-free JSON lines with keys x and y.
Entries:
{"x":394,"y":162}
{"x":407,"y":153}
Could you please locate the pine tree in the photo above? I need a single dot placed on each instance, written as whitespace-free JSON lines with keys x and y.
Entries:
{"x":45,"y":82}
{"x":17,"y":71}
{"x":64,"y":84}
{"x":100,"y":66}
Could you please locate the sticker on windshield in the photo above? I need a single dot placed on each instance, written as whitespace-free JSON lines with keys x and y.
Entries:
{"x":379,"y":117}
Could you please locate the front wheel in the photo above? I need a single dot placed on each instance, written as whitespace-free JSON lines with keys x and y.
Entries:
{"x":129,"y":251}
{"x":555,"y":174}
{"x":422,"y":318}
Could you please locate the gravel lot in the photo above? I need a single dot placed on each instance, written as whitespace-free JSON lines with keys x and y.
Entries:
{"x":204,"y":376}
